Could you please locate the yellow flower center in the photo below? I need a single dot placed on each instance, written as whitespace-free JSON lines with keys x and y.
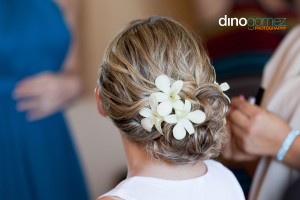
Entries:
{"x":173,"y":96}
{"x":180,"y":114}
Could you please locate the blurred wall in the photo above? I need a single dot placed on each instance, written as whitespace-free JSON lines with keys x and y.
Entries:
{"x":101,"y":20}
{"x":97,"y":139}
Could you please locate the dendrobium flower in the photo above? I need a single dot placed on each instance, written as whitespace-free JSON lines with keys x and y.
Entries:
{"x":183,"y":118}
{"x":224,"y":87}
{"x":167,"y":101}
{"x":151,"y":115}
{"x":168,"y":96}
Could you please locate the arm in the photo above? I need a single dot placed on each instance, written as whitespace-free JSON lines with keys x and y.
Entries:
{"x":261,"y":133}
{"x":71,"y":65}
{"x":292,"y":157}
{"x":69,"y":9}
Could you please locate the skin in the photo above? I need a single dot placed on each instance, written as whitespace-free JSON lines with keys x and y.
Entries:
{"x":257,"y":132}
{"x":48,"y":92}
{"x":140,"y":164}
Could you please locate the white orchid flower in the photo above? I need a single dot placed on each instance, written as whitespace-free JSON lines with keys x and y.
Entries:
{"x":169,"y":95}
{"x":224,"y":87}
{"x":183,"y":118}
{"x":151,"y":115}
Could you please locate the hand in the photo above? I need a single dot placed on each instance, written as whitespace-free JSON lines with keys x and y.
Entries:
{"x":257,"y":131}
{"x":231,"y":150}
{"x":45,"y":93}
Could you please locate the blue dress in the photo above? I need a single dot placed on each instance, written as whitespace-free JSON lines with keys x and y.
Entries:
{"x":37,"y":159}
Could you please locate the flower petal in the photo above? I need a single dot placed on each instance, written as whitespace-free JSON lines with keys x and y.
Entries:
{"x":153,"y":102}
{"x":171,"y":119}
{"x":224,"y":86}
{"x":147,"y":124}
{"x":164,"y":108}
{"x":178,"y":105}
{"x":158,"y":126}
{"x":179,"y":131}
{"x":187,"y":125}
{"x":177,"y":86}
{"x":162,"y":82}
{"x":146,"y":112}
{"x":187,"y":106}
{"x":160,"y":96}
{"x":196,"y":116}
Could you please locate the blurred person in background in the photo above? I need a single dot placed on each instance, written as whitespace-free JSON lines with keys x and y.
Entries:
{"x":271,"y":132}
{"x":238,"y":54}
{"x":38,"y":77}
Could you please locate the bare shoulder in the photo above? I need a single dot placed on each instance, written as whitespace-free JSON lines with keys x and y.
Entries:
{"x":105,"y":198}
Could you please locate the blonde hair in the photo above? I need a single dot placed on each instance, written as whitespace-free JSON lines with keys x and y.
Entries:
{"x":144,"y":50}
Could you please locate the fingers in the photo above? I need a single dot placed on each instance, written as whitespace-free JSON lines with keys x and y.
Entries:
{"x":40,"y":95}
{"x":28,"y":104}
{"x":238,"y":126}
{"x":35,"y":108}
{"x":30,"y":87}
{"x":242,"y":120}
{"x":239,"y":133}
{"x":27,"y":91}
{"x":36,"y":114}
{"x":245,"y":107}
{"x":238,"y":118}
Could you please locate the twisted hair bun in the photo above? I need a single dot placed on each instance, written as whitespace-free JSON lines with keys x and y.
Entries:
{"x":144,"y":50}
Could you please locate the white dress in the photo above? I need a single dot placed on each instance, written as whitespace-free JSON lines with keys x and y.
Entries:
{"x":218,"y":183}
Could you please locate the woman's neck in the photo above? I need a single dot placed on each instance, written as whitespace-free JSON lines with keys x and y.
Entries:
{"x":140,"y":164}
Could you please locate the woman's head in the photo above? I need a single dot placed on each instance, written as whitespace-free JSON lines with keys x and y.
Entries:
{"x":143,"y":51}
